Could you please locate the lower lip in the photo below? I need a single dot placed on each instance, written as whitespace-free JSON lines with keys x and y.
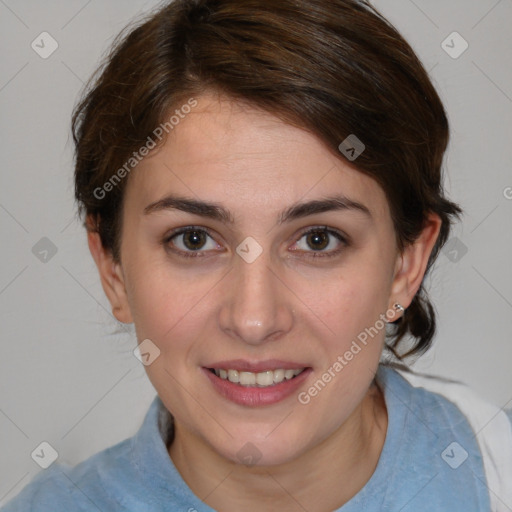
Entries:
{"x":254,"y":396}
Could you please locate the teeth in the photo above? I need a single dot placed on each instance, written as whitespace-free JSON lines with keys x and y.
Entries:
{"x":261,"y":379}
{"x":247,"y":378}
{"x":233,"y":376}
{"x":279,"y":375}
{"x":265,"y":378}
{"x":288,"y":374}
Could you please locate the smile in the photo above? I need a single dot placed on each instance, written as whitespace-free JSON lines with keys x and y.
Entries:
{"x":259,"y":387}
{"x":262,"y":379}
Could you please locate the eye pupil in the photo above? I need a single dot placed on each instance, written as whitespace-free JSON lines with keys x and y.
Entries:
{"x":318,"y":240}
{"x":194,"y":240}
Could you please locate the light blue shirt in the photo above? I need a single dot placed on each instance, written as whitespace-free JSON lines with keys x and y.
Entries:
{"x":420,"y":468}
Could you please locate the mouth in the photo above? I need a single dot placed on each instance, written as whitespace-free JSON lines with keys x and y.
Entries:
{"x":263,"y":379}
{"x":256,"y":384}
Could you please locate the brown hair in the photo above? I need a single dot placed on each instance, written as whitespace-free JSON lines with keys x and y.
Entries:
{"x":334,"y":68}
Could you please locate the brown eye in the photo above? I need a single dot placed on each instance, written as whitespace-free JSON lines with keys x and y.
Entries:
{"x":194,"y":240}
{"x":317,"y":240}
{"x":190,"y":241}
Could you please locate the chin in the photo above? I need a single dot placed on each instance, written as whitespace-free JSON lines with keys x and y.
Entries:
{"x":266,"y":447}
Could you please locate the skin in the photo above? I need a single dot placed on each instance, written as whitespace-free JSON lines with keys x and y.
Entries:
{"x":286,"y":305}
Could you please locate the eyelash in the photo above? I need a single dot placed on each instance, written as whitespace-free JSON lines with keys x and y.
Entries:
{"x":314,"y":254}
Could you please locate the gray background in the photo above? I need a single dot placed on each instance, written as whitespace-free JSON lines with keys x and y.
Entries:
{"x":67,"y":372}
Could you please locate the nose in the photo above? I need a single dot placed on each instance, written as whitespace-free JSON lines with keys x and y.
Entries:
{"x":256,"y":305}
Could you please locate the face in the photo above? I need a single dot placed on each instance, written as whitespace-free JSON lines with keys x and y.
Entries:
{"x":248,"y":247}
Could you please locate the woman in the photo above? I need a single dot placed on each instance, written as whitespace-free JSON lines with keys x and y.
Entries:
{"x":261,"y":185}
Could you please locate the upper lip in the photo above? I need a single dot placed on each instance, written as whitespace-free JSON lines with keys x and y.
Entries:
{"x":256,"y":367}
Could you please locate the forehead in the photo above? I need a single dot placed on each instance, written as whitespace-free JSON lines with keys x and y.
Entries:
{"x":224,"y":150}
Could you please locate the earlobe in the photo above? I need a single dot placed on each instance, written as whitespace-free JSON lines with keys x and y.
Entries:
{"x":112,"y":279}
{"x":412,"y":263}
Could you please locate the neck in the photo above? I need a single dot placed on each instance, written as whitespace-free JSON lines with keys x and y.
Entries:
{"x":322,"y":479}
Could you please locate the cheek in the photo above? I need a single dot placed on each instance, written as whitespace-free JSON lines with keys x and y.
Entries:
{"x":351,"y":305}
{"x":347,"y":300}
{"x":167,"y":303}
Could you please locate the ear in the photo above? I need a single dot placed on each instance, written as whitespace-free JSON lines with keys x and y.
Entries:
{"x":412,"y":263}
{"x":111,"y":275}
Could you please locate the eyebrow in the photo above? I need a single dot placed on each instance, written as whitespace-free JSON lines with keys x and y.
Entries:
{"x":219,"y":213}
